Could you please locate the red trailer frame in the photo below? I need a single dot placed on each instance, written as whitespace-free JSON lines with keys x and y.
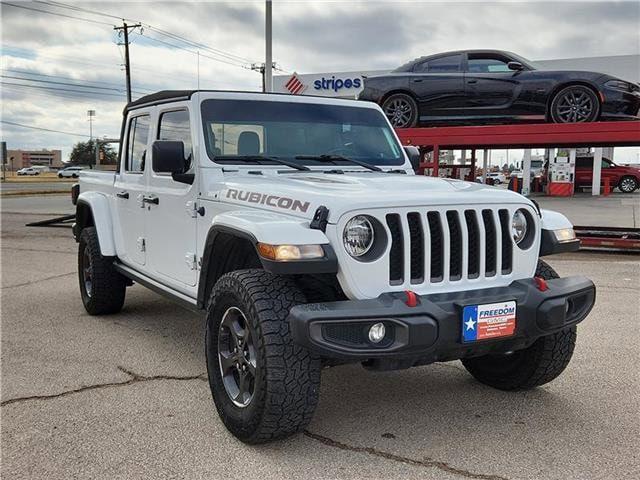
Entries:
{"x":538,"y":135}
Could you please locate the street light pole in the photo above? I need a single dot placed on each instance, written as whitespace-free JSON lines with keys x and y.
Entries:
{"x":91,"y":114}
{"x":268,"y":73}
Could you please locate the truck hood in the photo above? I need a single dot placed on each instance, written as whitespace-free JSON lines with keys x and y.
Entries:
{"x":300,"y":194}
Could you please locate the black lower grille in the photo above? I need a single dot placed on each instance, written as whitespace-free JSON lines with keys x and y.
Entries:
{"x":396,"y":255}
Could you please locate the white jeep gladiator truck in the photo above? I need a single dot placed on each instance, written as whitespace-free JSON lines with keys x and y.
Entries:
{"x":298,"y":226}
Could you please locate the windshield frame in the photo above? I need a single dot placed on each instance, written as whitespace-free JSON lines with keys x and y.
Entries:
{"x":396,"y":157}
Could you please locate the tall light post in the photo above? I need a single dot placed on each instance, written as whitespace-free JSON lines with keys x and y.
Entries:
{"x":90,"y":115}
{"x":268,"y":73}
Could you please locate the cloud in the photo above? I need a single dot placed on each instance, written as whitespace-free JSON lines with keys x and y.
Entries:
{"x":311,"y":36}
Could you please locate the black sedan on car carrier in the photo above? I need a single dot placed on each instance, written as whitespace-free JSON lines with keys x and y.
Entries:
{"x":492,"y":86}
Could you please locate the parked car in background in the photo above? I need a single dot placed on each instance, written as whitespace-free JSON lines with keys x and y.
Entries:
{"x":493,"y":178}
{"x":626,"y":178}
{"x":28,"y":171}
{"x":492,"y":86}
{"x":70,"y":172}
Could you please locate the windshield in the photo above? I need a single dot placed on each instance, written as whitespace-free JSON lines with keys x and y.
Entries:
{"x":234,"y":129}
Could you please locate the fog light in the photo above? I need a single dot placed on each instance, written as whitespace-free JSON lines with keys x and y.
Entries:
{"x":377,"y":332}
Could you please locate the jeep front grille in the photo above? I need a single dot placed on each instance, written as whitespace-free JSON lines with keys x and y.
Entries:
{"x":449,"y":245}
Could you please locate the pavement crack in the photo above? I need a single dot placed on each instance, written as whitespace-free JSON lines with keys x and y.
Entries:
{"x":37,"y":281}
{"x":135,"y":378}
{"x":427,"y":463}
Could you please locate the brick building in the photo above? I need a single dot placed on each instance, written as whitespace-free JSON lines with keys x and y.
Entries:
{"x":17,"y":159}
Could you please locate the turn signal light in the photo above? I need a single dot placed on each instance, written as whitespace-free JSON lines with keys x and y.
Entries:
{"x":288,"y":253}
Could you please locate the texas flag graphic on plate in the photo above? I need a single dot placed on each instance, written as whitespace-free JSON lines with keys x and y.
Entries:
{"x":491,"y":320}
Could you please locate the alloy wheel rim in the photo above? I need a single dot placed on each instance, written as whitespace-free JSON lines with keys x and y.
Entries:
{"x":87,"y":271}
{"x":627,"y":184}
{"x":575,"y":106}
{"x":398,"y":111}
{"x":237,"y":357}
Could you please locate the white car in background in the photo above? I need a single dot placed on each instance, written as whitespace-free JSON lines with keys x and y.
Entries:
{"x":497,"y":177}
{"x":70,"y":172}
{"x":28,"y":171}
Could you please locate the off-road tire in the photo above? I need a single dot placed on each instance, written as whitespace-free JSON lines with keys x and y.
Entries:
{"x":108,"y":287}
{"x":525,"y":369}
{"x":628,"y":184}
{"x":287,"y":380}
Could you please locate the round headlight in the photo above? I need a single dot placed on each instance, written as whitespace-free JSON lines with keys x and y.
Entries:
{"x":358,"y":236}
{"x":519,"y":226}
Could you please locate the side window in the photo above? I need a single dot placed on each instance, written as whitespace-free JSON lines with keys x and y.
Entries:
{"x":175,"y":126}
{"x":137,"y":143}
{"x":482,"y":63}
{"x":448,"y":64}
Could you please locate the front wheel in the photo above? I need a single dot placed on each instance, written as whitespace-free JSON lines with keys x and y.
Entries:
{"x":531,"y":367}
{"x":575,"y":103}
{"x":264,"y":386}
{"x":401,"y":110}
{"x":627,"y":184}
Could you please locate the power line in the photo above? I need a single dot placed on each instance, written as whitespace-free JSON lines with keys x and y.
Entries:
{"x":111,"y":84}
{"x":192,"y":52}
{"x":63,"y":83}
{"x":43,"y":129}
{"x":229,"y":56}
{"x":57,"y":14}
{"x":61,"y":89}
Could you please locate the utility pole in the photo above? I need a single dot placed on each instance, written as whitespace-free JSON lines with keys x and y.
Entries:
{"x":268,"y":77}
{"x":260,"y":67}
{"x":125,"y":28}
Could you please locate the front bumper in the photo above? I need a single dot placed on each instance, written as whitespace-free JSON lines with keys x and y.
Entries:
{"x":619,"y":105}
{"x":431,"y":331}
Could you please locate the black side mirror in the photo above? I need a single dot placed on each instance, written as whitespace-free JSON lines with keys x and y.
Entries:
{"x":414,"y":156}
{"x":168,"y":156}
{"x":517,"y":66}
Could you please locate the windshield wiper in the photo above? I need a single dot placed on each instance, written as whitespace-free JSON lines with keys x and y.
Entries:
{"x":260,"y":158}
{"x":334,"y":158}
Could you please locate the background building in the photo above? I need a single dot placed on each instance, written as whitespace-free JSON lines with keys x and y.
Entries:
{"x":17,"y":159}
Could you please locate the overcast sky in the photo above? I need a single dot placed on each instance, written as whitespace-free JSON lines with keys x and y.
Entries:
{"x":45,"y":58}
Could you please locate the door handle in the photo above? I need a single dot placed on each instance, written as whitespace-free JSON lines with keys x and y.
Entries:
{"x":151,"y":199}
{"x":416,"y":80}
{"x":472,"y":81}
{"x":123,"y":194}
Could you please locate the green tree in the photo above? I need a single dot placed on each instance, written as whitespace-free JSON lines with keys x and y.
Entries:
{"x":84,"y":153}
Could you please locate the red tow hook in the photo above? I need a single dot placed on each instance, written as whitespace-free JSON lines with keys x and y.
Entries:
{"x":412,"y":299}
{"x":541,"y":283}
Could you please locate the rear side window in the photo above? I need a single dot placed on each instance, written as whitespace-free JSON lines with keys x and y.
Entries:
{"x":487,"y":63}
{"x":174,"y":126}
{"x":137,"y":143}
{"x":447,"y":64}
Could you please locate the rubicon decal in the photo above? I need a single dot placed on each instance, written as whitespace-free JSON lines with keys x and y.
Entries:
{"x":269,"y":200}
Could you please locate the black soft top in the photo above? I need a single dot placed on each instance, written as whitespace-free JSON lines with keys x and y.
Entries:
{"x":161,"y":97}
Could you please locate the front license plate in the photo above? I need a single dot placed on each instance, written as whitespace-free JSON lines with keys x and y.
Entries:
{"x":491,"y":320}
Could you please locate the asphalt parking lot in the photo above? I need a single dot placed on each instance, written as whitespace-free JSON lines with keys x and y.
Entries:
{"x":125,"y":396}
